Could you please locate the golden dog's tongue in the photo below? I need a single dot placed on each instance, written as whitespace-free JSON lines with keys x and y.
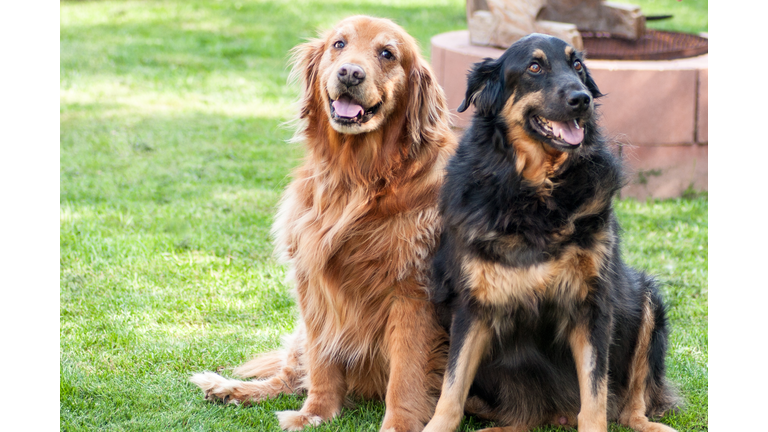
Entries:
{"x":346,"y":108}
{"x":569,"y":132}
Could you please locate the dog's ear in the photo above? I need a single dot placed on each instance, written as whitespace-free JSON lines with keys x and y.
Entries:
{"x":305,"y":59}
{"x":485,"y":88}
{"x":427,"y":108}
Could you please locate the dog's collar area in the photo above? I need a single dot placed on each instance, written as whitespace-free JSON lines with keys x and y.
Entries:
{"x":567,"y":134}
{"x":347,"y":111}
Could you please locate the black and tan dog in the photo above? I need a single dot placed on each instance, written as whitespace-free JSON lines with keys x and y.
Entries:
{"x":547,"y":323}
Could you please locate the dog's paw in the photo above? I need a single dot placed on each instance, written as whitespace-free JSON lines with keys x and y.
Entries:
{"x":216,"y":387}
{"x":401,"y":426}
{"x":297,"y":420}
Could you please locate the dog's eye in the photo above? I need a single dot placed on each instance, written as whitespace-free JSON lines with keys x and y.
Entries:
{"x":535,"y":68}
{"x":339,"y":44}
{"x":577,"y":65}
{"x":387,"y":55}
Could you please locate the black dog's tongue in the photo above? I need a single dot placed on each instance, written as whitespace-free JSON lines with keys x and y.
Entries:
{"x":570,"y":132}
{"x":345,"y":107}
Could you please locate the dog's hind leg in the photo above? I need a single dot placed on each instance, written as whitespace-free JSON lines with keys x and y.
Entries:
{"x":282,"y":372}
{"x":633,"y":414}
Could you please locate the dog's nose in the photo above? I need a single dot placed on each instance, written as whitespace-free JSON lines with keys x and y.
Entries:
{"x":579,"y":100}
{"x":351,"y":74}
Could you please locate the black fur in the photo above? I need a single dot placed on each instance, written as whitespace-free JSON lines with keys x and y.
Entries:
{"x":529,"y":376}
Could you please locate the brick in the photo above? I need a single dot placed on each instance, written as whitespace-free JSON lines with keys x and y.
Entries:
{"x":664,"y":171}
{"x":702,"y":126}
{"x":648,"y":107}
{"x":437,"y":63}
{"x":457,"y":65}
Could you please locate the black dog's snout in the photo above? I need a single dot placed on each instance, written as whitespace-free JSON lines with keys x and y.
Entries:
{"x":351,"y":74}
{"x":579,"y":100}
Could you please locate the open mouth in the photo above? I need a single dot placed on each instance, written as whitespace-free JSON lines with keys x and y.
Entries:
{"x":347,"y":111}
{"x":569,"y":134}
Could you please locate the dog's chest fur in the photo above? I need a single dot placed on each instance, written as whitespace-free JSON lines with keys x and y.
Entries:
{"x":532,"y":245}
{"x":565,"y":277}
{"x":350,"y":262}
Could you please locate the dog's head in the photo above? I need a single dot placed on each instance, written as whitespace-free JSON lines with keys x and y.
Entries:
{"x":540,"y":86}
{"x":362,"y":72}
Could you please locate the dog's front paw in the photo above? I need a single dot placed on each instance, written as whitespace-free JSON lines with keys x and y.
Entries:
{"x":216,"y":387}
{"x":297,"y":420}
{"x":394,"y":423}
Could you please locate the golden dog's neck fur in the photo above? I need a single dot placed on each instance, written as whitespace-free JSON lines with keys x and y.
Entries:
{"x":370,"y":159}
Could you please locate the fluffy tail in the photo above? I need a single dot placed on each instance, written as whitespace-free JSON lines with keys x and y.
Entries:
{"x":263,"y":366}
{"x":280,"y":372}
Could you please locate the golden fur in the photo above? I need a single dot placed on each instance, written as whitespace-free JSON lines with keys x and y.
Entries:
{"x":357,"y":226}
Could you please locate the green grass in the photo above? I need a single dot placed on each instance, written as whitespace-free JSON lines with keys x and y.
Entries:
{"x":688,"y":16}
{"x":173,"y":156}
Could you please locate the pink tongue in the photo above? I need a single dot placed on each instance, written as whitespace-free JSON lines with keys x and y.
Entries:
{"x":346,"y":108}
{"x":568,"y":132}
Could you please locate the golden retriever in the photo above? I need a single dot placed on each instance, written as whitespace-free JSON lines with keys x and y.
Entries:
{"x":358,"y":225}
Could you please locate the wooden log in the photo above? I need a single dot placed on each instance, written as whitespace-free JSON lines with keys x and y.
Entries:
{"x":506,"y":21}
{"x":596,"y":16}
{"x":502,"y":22}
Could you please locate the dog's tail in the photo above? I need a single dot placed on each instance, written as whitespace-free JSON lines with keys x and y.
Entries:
{"x":263,"y":366}
{"x":279,"y":371}
{"x":290,"y":358}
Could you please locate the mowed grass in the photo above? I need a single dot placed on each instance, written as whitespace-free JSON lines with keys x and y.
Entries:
{"x":688,"y":16}
{"x":173,"y":156}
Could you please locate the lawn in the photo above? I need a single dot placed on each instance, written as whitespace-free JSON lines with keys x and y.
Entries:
{"x":173,"y":156}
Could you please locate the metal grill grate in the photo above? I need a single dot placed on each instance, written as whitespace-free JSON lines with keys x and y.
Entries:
{"x":654,"y":45}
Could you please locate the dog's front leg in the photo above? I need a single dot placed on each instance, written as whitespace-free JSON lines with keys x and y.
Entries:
{"x":412,"y":335}
{"x":590,"y":353}
{"x":327,"y":388}
{"x":470,"y":339}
